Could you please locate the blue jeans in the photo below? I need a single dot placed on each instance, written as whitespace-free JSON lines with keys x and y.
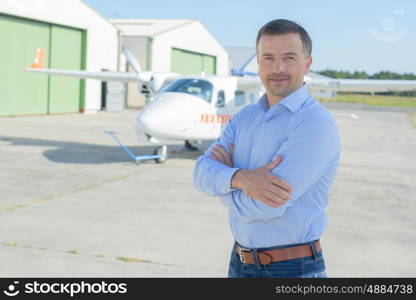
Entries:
{"x":306,"y":267}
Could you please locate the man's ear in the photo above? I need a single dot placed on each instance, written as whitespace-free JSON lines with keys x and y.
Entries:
{"x":308,"y":64}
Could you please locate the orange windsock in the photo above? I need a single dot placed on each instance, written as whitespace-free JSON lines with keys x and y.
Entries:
{"x":39,"y":62}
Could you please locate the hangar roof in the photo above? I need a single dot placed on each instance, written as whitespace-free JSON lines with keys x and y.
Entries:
{"x":148,"y":27}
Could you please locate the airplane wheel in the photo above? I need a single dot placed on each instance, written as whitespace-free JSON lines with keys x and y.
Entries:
{"x":159,"y":151}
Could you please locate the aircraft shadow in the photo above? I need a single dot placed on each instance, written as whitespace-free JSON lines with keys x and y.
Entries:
{"x":82,"y":153}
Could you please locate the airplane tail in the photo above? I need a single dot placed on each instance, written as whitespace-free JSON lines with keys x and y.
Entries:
{"x":39,"y":62}
{"x":241,"y":71}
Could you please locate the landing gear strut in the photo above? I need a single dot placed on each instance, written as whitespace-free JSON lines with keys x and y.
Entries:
{"x":159,"y":155}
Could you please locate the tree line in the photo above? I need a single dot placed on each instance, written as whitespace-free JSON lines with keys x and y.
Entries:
{"x":378,"y":75}
{"x":364,"y":75}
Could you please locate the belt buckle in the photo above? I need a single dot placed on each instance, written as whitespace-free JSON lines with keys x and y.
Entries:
{"x":240,"y":253}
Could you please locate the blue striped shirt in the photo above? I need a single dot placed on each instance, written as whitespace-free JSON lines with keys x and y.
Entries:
{"x":305,"y":135}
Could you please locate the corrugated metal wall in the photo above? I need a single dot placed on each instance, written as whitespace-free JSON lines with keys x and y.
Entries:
{"x":23,"y":93}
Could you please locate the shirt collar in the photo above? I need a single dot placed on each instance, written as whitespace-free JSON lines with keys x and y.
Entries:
{"x":263,"y":103}
{"x":293,"y":101}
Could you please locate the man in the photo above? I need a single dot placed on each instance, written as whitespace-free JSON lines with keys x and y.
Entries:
{"x":274,"y":164}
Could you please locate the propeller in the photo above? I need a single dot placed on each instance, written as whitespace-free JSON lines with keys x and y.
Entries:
{"x":132,"y":60}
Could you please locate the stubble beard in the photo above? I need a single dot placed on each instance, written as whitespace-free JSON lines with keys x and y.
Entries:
{"x":279,"y":91}
{"x":282,"y":90}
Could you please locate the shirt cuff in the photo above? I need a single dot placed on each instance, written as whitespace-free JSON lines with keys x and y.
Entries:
{"x":224,"y":180}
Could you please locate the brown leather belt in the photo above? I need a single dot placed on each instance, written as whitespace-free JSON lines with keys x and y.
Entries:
{"x":269,"y":256}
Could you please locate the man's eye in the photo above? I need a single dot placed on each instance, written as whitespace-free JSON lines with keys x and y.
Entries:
{"x":290,"y":57}
{"x":268,"y":58}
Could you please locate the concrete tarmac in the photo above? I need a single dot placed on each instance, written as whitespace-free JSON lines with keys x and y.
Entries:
{"x":73,"y":204}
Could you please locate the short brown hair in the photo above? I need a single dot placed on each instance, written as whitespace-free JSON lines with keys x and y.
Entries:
{"x":282,"y":26}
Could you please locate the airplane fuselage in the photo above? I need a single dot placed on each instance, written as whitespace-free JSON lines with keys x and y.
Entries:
{"x":196,"y":108}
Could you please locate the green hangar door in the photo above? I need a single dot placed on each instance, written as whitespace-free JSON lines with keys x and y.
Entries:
{"x":66,"y":53}
{"x":192,"y":63}
{"x":24,"y":93}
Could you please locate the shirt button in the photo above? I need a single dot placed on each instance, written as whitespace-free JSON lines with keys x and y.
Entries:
{"x":263,"y":124}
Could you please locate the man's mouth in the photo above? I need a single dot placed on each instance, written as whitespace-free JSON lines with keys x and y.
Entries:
{"x":279,"y":80}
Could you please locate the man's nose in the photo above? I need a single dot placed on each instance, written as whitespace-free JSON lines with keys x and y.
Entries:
{"x":278,"y":66}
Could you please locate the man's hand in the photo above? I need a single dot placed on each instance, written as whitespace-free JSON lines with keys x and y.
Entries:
{"x":220,"y":154}
{"x":260,"y":184}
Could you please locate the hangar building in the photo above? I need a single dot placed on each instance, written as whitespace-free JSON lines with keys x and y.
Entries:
{"x":182,"y":46}
{"x":73,"y":35}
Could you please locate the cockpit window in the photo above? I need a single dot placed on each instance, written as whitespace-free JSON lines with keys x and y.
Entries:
{"x":197,"y":87}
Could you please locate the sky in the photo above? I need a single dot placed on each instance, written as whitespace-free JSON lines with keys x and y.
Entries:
{"x":354,"y":35}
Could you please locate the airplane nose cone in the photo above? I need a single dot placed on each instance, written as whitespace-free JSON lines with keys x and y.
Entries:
{"x":145,"y":122}
{"x":170,"y":114}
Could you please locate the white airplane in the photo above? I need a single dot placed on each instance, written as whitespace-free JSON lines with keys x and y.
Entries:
{"x":196,"y":108}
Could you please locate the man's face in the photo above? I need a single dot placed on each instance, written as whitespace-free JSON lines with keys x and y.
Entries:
{"x":282,"y":64}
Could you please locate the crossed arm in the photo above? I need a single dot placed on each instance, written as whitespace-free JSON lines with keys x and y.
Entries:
{"x":259,"y":184}
{"x":266,"y":192}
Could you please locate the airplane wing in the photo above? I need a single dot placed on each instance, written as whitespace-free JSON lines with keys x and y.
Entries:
{"x":360,"y":85}
{"x":105,"y":76}
{"x":38,"y":67}
{"x":340,"y":85}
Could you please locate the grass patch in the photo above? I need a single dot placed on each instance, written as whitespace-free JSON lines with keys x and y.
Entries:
{"x":133,"y":259}
{"x":376,"y":100}
{"x":11,"y":244}
{"x":11,"y":208}
{"x":412,"y":117}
